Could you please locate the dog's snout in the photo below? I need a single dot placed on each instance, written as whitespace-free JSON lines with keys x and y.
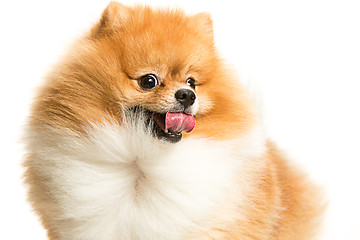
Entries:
{"x":186,"y":97}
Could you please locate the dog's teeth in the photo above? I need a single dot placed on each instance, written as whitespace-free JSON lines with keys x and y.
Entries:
{"x":166,"y":131}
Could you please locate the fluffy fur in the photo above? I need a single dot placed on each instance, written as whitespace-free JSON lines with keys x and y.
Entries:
{"x":95,"y":170}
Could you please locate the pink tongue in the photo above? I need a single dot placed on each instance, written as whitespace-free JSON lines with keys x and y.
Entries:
{"x":178,"y":122}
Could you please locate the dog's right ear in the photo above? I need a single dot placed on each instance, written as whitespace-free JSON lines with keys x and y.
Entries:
{"x":204,"y":23}
{"x":113,"y":17}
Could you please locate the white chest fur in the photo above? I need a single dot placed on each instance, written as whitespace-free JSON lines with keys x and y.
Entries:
{"x":121,"y":183}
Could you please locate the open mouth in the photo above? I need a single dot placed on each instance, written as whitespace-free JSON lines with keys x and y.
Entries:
{"x":170,"y":125}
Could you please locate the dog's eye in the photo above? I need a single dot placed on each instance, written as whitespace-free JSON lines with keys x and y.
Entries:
{"x":148,"y":81}
{"x":191,"y":82}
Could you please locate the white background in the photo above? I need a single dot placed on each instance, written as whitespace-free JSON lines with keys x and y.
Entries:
{"x":302,"y":58}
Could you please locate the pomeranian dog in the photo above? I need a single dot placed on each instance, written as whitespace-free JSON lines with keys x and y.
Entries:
{"x":113,"y":152}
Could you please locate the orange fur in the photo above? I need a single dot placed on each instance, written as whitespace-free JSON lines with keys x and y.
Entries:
{"x":100,"y":75}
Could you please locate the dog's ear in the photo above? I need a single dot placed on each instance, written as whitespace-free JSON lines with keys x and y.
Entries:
{"x":204,"y":22}
{"x":113,"y":17}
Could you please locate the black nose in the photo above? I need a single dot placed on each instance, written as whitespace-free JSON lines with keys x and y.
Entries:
{"x":186,"y":97}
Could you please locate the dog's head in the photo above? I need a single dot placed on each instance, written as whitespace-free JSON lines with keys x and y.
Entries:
{"x":160,"y":62}
{"x":164,"y":60}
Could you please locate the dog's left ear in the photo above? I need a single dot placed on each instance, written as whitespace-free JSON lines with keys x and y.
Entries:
{"x":203,"y":20}
{"x":113,"y":17}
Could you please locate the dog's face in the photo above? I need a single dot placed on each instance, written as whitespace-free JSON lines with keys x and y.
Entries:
{"x":165,"y":61}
